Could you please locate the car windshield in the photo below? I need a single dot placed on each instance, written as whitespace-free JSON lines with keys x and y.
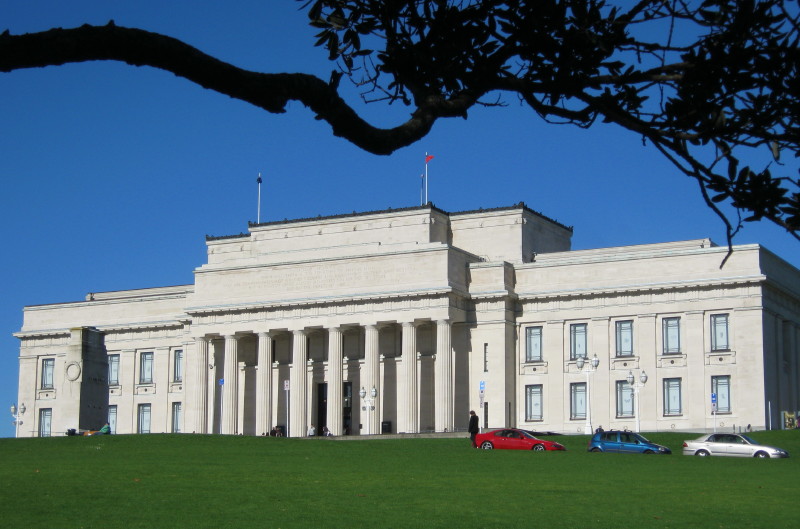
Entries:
{"x":527,"y":434}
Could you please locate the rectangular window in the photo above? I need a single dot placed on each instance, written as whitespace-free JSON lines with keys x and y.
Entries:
{"x":486,"y":358}
{"x":146,"y":368}
{"x":113,"y":370}
{"x":719,"y":332}
{"x":533,"y":344}
{"x":577,"y":340}
{"x":112,"y":418}
{"x":143,"y":425}
{"x":577,"y":400}
{"x":672,"y":396}
{"x":176,"y":417}
{"x":625,"y":338}
{"x":48,"y":366}
{"x":671,"y":333}
{"x":721,"y":386}
{"x":45,"y":421}
{"x":177,"y":366}
{"x":624,"y":399}
{"x":533,"y":402}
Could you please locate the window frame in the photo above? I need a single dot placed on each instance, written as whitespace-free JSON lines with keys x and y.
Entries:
{"x":623,"y":389}
{"x":113,"y":369}
{"x":575,"y":340}
{"x":48,"y":373}
{"x":714,"y":322}
{"x":575,"y":390}
{"x":666,"y":347}
{"x":177,"y":365}
{"x":45,"y":428}
{"x":146,"y":359}
{"x":532,"y":391}
{"x":618,"y":333}
{"x":144,"y":414}
{"x":533,"y":354}
{"x":715,"y":386}
{"x":112,"y":418}
{"x":177,"y":410}
{"x":669,"y":386}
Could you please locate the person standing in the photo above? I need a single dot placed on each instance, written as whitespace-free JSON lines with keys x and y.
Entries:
{"x":311,"y":431}
{"x":473,"y":427}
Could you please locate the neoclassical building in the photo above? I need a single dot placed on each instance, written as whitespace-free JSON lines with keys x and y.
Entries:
{"x":402,"y":321}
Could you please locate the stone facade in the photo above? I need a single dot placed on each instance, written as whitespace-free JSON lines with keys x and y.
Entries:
{"x":440,"y":313}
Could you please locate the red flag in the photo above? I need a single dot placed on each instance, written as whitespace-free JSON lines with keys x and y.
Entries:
{"x":428,"y":158}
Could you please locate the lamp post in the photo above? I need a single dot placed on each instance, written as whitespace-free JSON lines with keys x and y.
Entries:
{"x":368,"y":404}
{"x":636,"y":387}
{"x":591,"y":367}
{"x":17,"y":414}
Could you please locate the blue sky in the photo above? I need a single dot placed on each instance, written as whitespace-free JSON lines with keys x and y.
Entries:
{"x":113,"y":175}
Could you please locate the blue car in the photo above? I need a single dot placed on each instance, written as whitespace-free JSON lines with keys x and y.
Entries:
{"x":624,"y":442}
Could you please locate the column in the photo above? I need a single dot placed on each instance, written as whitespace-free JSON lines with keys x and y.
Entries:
{"x":443,"y":374}
{"x":371,"y":378}
{"x":264,"y":384}
{"x":298,"y":385}
{"x":230,"y":386}
{"x":200,"y":383}
{"x":335,"y":389}
{"x":408,"y":387}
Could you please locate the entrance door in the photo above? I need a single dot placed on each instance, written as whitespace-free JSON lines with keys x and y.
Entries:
{"x":347,"y":410}
{"x":322,"y":406}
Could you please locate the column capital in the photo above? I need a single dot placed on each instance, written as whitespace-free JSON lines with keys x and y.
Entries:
{"x":264,"y":334}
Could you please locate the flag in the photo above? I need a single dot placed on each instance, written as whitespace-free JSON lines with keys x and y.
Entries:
{"x":428,"y":158}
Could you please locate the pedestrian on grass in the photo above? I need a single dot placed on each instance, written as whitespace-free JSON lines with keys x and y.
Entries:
{"x":473,"y":428}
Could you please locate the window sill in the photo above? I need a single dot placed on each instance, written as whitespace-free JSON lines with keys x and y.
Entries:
{"x":534,"y":368}
{"x":145,"y":389}
{"x":672,"y":360}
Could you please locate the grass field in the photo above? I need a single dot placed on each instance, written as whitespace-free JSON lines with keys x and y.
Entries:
{"x":166,"y":481}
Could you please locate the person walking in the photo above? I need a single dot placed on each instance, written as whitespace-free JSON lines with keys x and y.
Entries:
{"x":473,"y":427}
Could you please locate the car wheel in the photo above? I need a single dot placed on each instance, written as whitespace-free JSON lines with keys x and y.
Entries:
{"x":701,"y":453}
{"x":595,"y":449}
{"x":486,"y":445}
{"x":762,"y":455}
{"x":649,"y":452}
{"x":538,"y":448}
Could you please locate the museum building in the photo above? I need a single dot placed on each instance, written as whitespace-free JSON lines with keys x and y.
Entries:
{"x":402,"y":321}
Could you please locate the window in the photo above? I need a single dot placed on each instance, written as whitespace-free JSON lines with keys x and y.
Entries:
{"x":671,"y":332}
{"x":721,"y":386}
{"x":577,"y":400}
{"x":146,"y":368}
{"x":45,"y":421}
{"x":672,"y":396}
{"x":624,"y":399}
{"x":113,"y":370}
{"x":577,"y":340}
{"x":625,"y":338}
{"x":486,"y":358}
{"x":719,"y":332}
{"x":176,"y":417}
{"x":533,"y":344}
{"x":533,"y":402}
{"x":112,"y":418}
{"x":48,"y":366}
{"x":177,"y":366}
{"x":144,"y":419}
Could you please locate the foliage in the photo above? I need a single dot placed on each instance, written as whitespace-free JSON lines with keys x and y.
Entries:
{"x":197,"y":481}
{"x":706,"y":82}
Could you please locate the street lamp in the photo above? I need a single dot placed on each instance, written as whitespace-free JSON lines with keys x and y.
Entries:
{"x":17,"y":414}
{"x":636,"y":387}
{"x":591,"y":367}
{"x":368,"y":404}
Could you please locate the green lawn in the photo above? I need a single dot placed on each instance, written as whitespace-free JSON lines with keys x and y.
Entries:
{"x":166,"y":481}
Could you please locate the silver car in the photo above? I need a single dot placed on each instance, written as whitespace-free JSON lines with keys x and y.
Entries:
{"x":730,"y":444}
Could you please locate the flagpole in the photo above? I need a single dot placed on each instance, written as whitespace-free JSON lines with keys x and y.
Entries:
{"x":426,"y":178}
{"x":258,"y":214}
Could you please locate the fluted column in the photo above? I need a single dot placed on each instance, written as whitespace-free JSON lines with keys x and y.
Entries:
{"x":200,"y":383}
{"x":334,"y":411}
{"x":264,"y":384}
{"x":443,"y":373}
{"x":230,"y":386}
{"x":298,"y":385}
{"x":408,"y":388}
{"x":371,"y":378}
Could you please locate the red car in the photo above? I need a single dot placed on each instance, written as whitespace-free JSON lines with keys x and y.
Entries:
{"x":513,"y":439}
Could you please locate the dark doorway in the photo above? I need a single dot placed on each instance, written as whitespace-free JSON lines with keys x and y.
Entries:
{"x":322,"y":406}
{"x":347,"y":411}
{"x":485,"y":414}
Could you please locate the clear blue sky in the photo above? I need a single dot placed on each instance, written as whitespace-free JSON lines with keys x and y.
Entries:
{"x":113,"y":175}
